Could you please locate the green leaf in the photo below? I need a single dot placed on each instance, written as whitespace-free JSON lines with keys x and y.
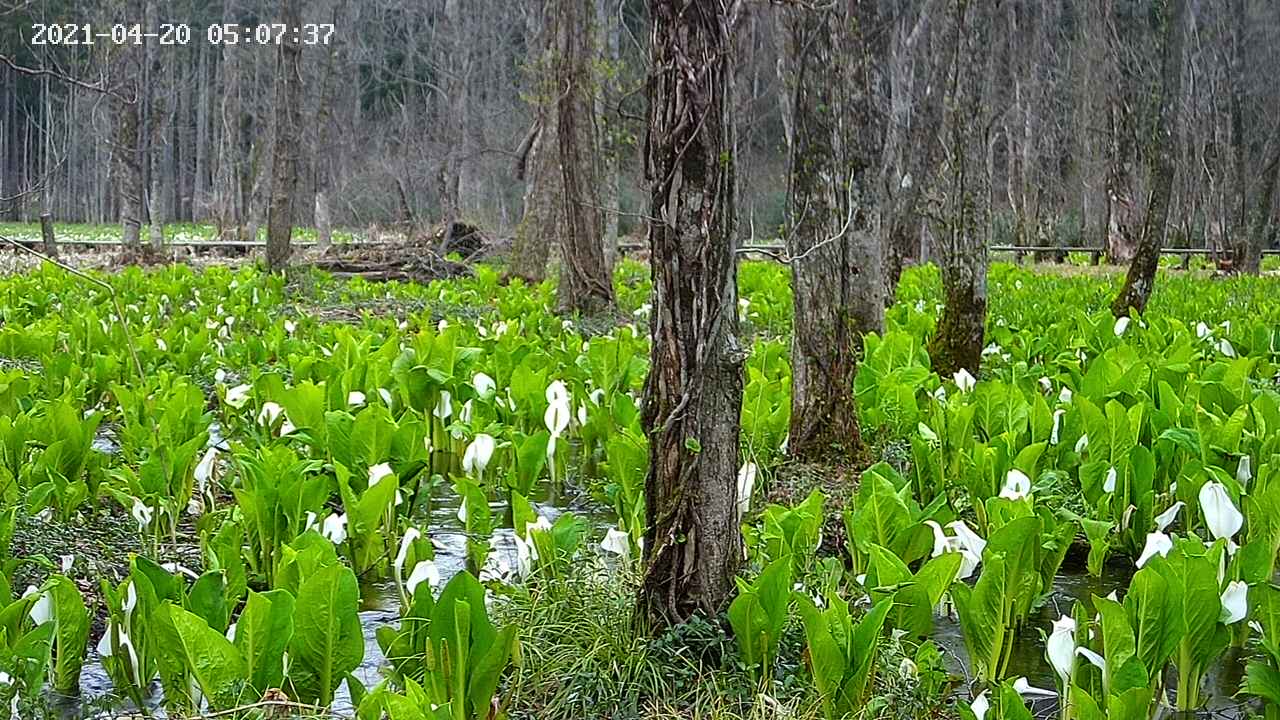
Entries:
{"x":327,"y":642}
{"x":210,"y":658}
{"x":263,"y":632}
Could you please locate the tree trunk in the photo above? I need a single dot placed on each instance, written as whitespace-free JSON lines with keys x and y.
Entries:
{"x":324,"y":151}
{"x":836,"y":260}
{"x":157,"y":119}
{"x":962,"y":249}
{"x":128,"y":165}
{"x":693,"y":395}
{"x":539,"y":166}
{"x":586,"y":280}
{"x":1141,"y":277}
{"x":284,"y":154}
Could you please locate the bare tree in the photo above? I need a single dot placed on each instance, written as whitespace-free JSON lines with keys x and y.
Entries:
{"x":586,"y":280}
{"x":836,"y":258}
{"x":538,"y":161}
{"x":693,"y":395}
{"x":958,"y":222}
{"x":284,"y":160}
{"x":1141,"y":277}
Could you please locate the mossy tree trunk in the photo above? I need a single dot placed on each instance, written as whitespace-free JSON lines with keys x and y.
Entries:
{"x":1167,"y":95}
{"x":586,"y":279}
{"x":693,"y":395}
{"x":284,"y":155}
{"x":539,"y":163}
{"x":959,"y":222}
{"x":837,"y":267}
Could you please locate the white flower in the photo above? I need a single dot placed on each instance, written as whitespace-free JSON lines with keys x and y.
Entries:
{"x":1057,"y":425}
{"x":1224,"y":347}
{"x":1122,"y":324}
{"x":964,"y":381}
{"x":335,"y":528}
{"x":477,"y":455}
{"x":1220,"y":514}
{"x":966,"y":542}
{"x":1061,"y":647}
{"x":219,"y":376}
{"x":582,"y":414}
{"x":237,"y":396}
{"x":484,"y":385}
{"x":142,"y":513}
{"x":269,"y":412}
{"x":378,"y":472}
{"x":1064,"y":395}
{"x":1166,"y":518}
{"x":161,"y":345}
{"x":1046,"y":384}
{"x":1082,"y":444}
{"x":556,"y":417}
{"x":355,"y":398}
{"x":1157,"y":544}
{"x":617,"y":542}
{"x":557,"y":393}
{"x":425,"y":570}
{"x":385,"y":394}
{"x":444,"y":406}
{"x":992,"y":349}
{"x":746,"y":485}
{"x":980,"y":705}
{"x":204,"y":469}
{"x":68,"y":561}
{"x":310,"y":523}
{"x":1016,"y":485}
{"x":1023,"y":687}
{"x":42,"y":611}
{"x":524,"y":556}
{"x":1109,"y":484}
{"x":1235,"y":602}
{"x":462,"y":512}
{"x":1244,"y":471}
{"x":290,"y":327}
{"x":927,"y":432}
{"x":406,"y":542}
{"x":597,"y":396}
{"x":1202,"y":330}
{"x":175,"y":568}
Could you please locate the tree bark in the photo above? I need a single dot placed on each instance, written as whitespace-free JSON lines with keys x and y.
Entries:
{"x":539,"y":166}
{"x":962,"y":249}
{"x":157,"y":119}
{"x":1141,"y":277}
{"x":284,"y":154}
{"x":586,"y":280}
{"x":128,"y":165}
{"x":836,"y":257}
{"x":693,"y":395}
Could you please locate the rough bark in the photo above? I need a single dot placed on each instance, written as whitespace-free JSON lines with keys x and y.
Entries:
{"x":158,"y":122}
{"x":586,"y":280}
{"x":284,"y":154}
{"x":836,"y":259}
{"x":539,"y":165}
{"x":1141,"y":277}
{"x":129,"y":166}
{"x":962,"y":249}
{"x":693,"y":395}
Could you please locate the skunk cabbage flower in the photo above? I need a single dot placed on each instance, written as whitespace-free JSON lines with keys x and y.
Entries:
{"x":1061,"y":648}
{"x":237,"y":396}
{"x":425,"y":570}
{"x":1244,"y":471}
{"x":269,"y":412}
{"x":746,"y":485}
{"x":378,"y":472}
{"x":1082,"y":444}
{"x":1235,"y":602}
{"x":1166,"y":518}
{"x":444,"y":406}
{"x":477,"y":455}
{"x":557,"y":393}
{"x":965,"y":542}
{"x":1122,"y":324}
{"x":1109,"y":485}
{"x":335,"y":528}
{"x":617,"y":542}
{"x":204,"y":469}
{"x":964,"y":381}
{"x":142,"y":513}
{"x":484,"y":385}
{"x":1023,"y":687}
{"x":42,"y":611}
{"x":1057,"y":425}
{"x":355,"y":398}
{"x":1157,"y":544}
{"x":68,"y":561}
{"x":1016,"y":485}
{"x":1220,"y":514}
{"x":1064,"y":396}
{"x":1046,"y":384}
{"x":406,"y":542}
{"x":980,"y":705}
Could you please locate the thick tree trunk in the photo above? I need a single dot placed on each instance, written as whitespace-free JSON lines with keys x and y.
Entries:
{"x":693,"y":395}
{"x":586,"y":280}
{"x":836,"y":260}
{"x":129,"y":166}
{"x":157,"y":120}
{"x":962,"y":249}
{"x":284,"y":155}
{"x":1141,"y":277}
{"x":539,"y":165}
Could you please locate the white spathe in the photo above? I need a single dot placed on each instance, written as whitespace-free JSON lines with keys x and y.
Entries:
{"x":378,"y":472}
{"x":964,"y":380}
{"x":1016,"y":485}
{"x":1244,"y":471}
{"x":237,"y":396}
{"x":1057,"y":425}
{"x":425,"y":570}
{"x":980,"y":705}
{"x":1082,"y":444}
{"x":1109,"y":484}
{"x":484,"y":385}
{"x":142,"y":513}
{"x":617,"y":542}
{"x":746,"y":485}
{"x":1157,"y":544}
{"x":335,"y":528}
{"x":1060,"y":648}
{"x":1023,"y":687}
{"x":204,"y":468}
{"x":1122,"y":324}
{"x":1235,"y":602}
{"x":406,"y":541}
{"x":1166,"y":518}
{"x":476,"y":458}
{"x":355,"y":398}
{"x":1220,"y":514}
